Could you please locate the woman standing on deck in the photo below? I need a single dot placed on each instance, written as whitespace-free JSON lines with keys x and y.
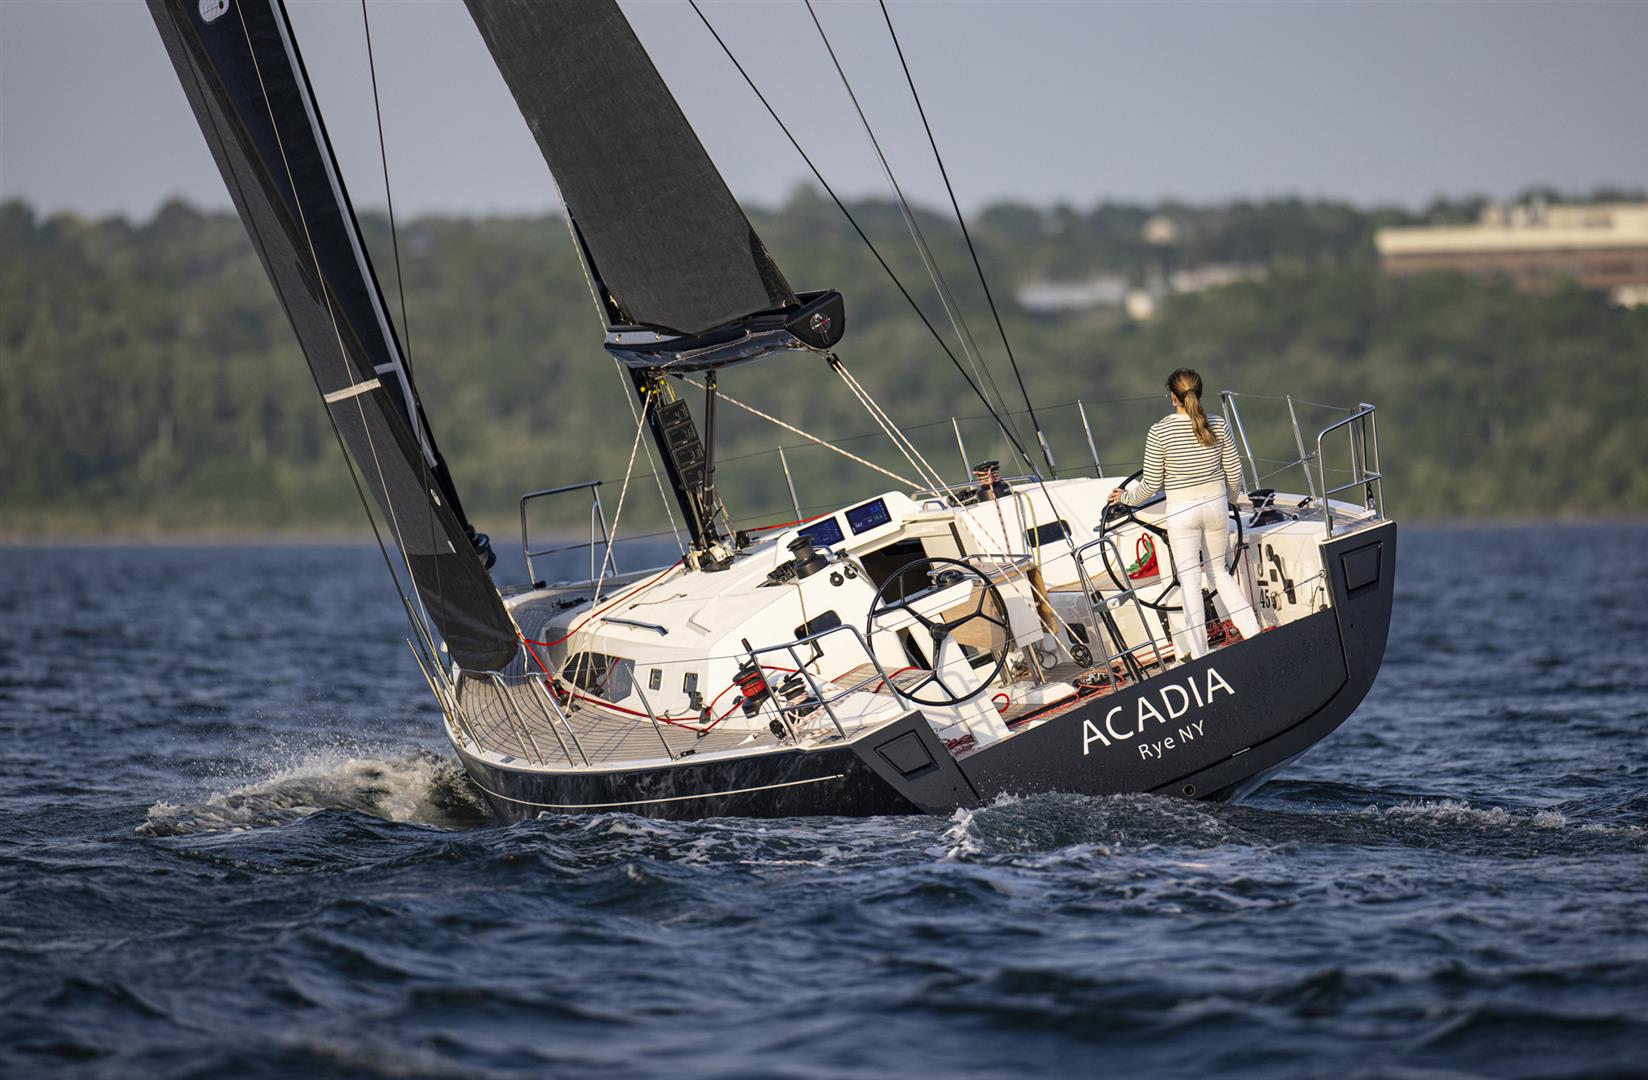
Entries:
{"x":1189,"y":455}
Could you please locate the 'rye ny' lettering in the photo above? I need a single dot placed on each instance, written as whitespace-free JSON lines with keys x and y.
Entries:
{"x":1176,"y":700}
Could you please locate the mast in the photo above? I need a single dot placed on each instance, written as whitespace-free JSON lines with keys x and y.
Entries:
{"x":239,"y":67}
{"x":680,"y":277}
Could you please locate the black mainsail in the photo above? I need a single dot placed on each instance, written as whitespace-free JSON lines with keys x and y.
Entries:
{"x":682,"y":280}
{"x":667,"y":245}
{"x":240,"y":69}
{"x":672,"y":246}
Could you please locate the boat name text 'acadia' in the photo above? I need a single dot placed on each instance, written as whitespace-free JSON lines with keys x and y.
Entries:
{"x":1188,"y":695}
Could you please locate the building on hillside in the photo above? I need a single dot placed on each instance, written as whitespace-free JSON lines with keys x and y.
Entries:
{"x":1138,"y":301}
{"x":1601,"y":246}
{"x":1143,"y":303}
{"x":1058,"y":297}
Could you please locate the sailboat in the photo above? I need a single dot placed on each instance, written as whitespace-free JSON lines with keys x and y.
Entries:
{"x":929,"y":646}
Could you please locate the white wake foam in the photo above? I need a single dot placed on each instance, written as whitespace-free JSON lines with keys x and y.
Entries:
{"x":417,"y":787}
{"x":1458,"y":812}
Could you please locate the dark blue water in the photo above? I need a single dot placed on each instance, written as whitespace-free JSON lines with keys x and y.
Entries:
{"x":232,"y":844}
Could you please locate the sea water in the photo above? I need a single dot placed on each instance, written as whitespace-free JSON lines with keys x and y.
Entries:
{"x":232,"y":843}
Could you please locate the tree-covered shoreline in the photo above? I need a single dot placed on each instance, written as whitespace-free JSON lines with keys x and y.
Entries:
{"x":150,"y":386}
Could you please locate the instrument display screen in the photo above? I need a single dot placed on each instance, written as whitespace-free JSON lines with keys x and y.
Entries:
{"x":861,"y":519}
{"x":823,"y":533}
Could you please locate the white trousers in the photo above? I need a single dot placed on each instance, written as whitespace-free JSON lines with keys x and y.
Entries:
{"x":1198,"y":535}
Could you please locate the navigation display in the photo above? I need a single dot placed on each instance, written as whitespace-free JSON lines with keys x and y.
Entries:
{"x":823,"y":533}
{"x":861,"y":519}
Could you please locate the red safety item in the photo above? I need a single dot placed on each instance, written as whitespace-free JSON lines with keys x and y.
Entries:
{"x":1144,"y":565}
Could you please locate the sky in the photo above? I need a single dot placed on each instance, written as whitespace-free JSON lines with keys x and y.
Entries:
{"x":1036,"y":101}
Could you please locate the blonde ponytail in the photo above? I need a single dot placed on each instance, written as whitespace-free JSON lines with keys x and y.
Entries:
{"x":1186,"y":386}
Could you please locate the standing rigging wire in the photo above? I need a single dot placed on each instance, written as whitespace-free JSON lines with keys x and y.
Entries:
{"x":400,"y":288}
{"x":607,"y":560}
{"x":585,"y":659}
{"x":388,"y":195}
{"x":952,"y":308}
{"x":657,"y":473}
{"x":1046,"y":452}
{"x":1041,"y":437}
{"x":885,"y":422}
{"x":814,"y":439}
{"x":991,"y":409}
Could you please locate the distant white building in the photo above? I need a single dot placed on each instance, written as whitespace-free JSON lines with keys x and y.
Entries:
{"x":1113,"y":291}
{"x":1055,"y":297}
{"x":1601,"y":246}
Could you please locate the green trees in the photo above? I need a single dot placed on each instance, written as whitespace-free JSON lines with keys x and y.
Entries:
{"x":149,"y":382}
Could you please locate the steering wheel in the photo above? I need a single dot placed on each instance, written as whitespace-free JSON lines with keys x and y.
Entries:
{"x":989,"y":610}
{"x":1122,"y":512}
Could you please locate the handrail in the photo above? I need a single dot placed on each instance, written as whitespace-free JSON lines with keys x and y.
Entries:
{"x":1118,"y":650}
{"x":552,"y":711}
{"x":819,"y":698}
{"x":1229,"y":399}
{"x":1373,"y":498}
{"x":523,"y":730}
{"x":1090,"y":593}
{"x":504,"y":686}
{"x":597,"y":514}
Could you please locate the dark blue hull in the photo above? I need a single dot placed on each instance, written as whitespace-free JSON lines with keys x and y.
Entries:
{"x":1213,"y":728}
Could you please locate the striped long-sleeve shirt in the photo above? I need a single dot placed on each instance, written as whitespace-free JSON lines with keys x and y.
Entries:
{"x":1174,"y":458}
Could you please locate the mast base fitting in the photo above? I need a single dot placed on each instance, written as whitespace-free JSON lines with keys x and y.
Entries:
{"x":716,"y":556}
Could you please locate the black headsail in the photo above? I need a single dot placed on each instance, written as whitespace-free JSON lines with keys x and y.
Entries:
{"x":240,"y":69}
{"x":681,"y":278}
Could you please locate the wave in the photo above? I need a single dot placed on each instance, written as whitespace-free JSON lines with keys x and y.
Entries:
{"x":419,"y":788}
{"x":1112,"y":825}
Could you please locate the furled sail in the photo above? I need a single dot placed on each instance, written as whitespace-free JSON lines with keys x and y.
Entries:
{"x":669,"y":247}
{"x":240,"y":69}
